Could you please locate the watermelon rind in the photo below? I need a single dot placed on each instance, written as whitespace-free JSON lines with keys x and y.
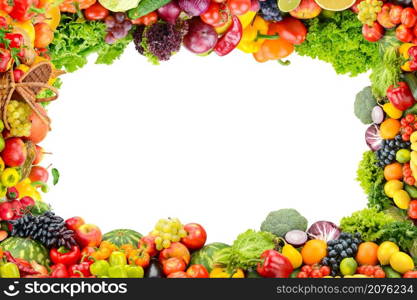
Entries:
{"x":121,"y":237}
{"x":27,"y":249}
{"x":206,"y":256}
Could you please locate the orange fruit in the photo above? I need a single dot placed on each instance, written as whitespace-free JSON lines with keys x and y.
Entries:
{"x":367,"y":254}
{"x":314,"y":251}
{"x":393,"y":171}
{"x":389,"y":128}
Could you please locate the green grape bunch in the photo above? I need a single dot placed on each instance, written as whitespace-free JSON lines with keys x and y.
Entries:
{"x":368,"y":11}
{"x":18,"y":116}
{"x":168,"y":231}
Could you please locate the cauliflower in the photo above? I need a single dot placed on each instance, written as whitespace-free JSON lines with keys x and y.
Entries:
{"x":364,"y":103}
{"x":281,"y":221}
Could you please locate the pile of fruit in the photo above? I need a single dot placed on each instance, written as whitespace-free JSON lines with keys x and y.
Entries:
{"x":355,"y":36}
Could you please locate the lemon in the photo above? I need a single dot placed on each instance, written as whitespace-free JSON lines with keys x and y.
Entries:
{"x":401,"y":262}
{"x":392,"y":186}
{"x":401,"y":199}
{"x":335,"y":5}
{"x":385,"y":251}
{"x":288,"y":5}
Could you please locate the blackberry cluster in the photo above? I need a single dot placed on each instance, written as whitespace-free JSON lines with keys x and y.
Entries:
{"x":345,"y":246}
{"x":269,"y":11}
{"x":386,"y":154}
{"x":48,"y":229}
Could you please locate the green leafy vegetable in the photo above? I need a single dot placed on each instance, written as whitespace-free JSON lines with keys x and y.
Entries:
{"x":246,"y":250}
{"x":377,"y":198}
{"x":46,"y":93}
{"x":369,"y":222}
{"x":403,"y":233}
{"x":145,"y":7}
{"x":388,"y":69}
{"x":281,"y":221}
{"x":368,"y":172}
{"x":75,"y":39}
{"x":338,"y":39}
{"x":364,"y":103}
{"x":55,"y":176}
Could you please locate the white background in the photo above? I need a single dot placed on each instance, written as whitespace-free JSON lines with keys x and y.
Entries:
{"x":218,"y":141}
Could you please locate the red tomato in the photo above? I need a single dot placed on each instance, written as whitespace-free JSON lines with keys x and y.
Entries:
{"x":409,"y":17}
{"x":173,"y":265}
{"x":395,"y":14}
{"x":379,"y":274}
{"x":325,"y":270}
{"x":196,"y":237}
{"x":96,"y":12}
{"x":412,"y":209}
{"x":216,"y":15}
{"x":178,"y":275}
{"x":410,"y":274}
{"x":404,"y":34}
{"x":239,"y":7}
{"x":302,"y":275}
{"x":316,"y":274}
{"x":374,"y":33}
{"x":197,"y":271}
{"x":306,"y":269}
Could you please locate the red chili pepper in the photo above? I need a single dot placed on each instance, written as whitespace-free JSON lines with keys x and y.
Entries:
{"x":24,"y":267}
{"x":5,"y":60}
{"x":24,"y":10}
{"x":80,"y":270}
{"x":229,"y":41}
{"x":59,"y":271}
{"x":401,"y":96}
{"x":65,"y":256}
{"x":274,"y":265}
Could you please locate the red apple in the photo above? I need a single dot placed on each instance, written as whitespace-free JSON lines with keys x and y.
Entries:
{"x":38,"y":173}
{"x":148,"y":243}
{"x":14,"y":153}
{"x":17,"y":207}
{"x":88,"y":235}
{"x":383,"y":16}
{"x":27,"y":201}
{"x":39,"y":128}
{"x":39,"y":155}
{"x":175,"y":250}
{"x":74,"y":223}
{"x":307,"y":9}
{"x":196,"y":237}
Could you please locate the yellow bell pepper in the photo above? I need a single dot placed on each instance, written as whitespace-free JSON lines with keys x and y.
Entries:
{"x":26,"y":189}
{"x":403,"y":51}
{"x":10,"y":177}
{"x":247,"y":18}
{"x":222,"y":273}
{"x":250,"y":42}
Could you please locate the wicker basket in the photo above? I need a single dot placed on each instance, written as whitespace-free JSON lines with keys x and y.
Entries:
{"x":26,"y":89}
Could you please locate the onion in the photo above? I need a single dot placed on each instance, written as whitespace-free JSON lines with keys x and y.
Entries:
{"x":170,"y":12}
{"x":377,"y":115}
{"x":201,"y":37}
{"x":297,"y":238}
{"x":324,"y":230}
{"x":194,"y":7}
{"x":372,"y":137}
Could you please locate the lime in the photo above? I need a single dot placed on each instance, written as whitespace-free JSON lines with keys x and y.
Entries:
{"x":403,"y":156}
{"x":348,"y":266}
{"x":335,"y":5}
{"x":119,"y":5}
{"x":288,"y":5}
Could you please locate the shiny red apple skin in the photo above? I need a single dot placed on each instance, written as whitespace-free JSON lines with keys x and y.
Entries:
{"x":39,"y":173}
{"x":88,"y":235}
{"x":74,"y":223}
{"x":14,"y":153}
{"x":196,"y":237}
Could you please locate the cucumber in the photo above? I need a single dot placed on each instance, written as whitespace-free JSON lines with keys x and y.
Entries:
{"x":411,"y":81}
{"x":411,"y":190}
{"x":390,"y":273}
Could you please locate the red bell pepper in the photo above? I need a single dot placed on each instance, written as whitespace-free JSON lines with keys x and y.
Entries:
{"x":59,"y":271}
{"x":229,"y":41}
{"x":5,"y":6}
{"x":86,"y":254}
{"x":401,"y":96}
{"x":65,"y":256}
{"x":24,"y":10}
{"x":81,"y":270}
{"x":5,"y":60}
{"x":274,"y":265}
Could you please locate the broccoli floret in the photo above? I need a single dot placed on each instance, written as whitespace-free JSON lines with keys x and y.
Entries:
{"x":159,"y":41}
{"x":364,"y":103}
{"x":281,"y":221}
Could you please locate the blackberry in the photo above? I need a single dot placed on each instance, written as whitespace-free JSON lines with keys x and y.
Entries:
{"x":48,"y":229}
{"x":386,"y":154}
{"x":269,"y":11}
{"x":345,"y":246}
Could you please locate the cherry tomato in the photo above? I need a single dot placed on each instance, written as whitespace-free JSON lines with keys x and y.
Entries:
{"x":404,"y":34}
{"x":216,"y":15}
{"x":197,"y":271}
{"x":316,"y":274}
{"x":373,"y":33}
{"x":302,"y":275}
{"x":239,"y":7}
{"x":395,"y":14}
{"x":325,"y":270}
{"x":178,"y":275}
{"x":410,"y":118}
{"x":379,"y":274}
{"x":146,"y":20}
{"x":196,"y":237}
{"x":96,"y":12}
{"x":368,"y":270}
{"x":409,"y":17}
{"x":306,"y":269}
{"x":44,"y":35}
{"x":412,"y":209}
{"x":173,"y":265}
{"x":410,"y":274}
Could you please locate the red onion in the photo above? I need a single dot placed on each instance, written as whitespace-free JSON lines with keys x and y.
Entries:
{"x":377,"y":114}
{"x":169,"y":12}
{"x":194,"y":7}
{"x":372,"y":137}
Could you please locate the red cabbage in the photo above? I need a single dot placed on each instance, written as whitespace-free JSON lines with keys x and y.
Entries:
{"x":194,"y":7}
{"x":324,"y":230}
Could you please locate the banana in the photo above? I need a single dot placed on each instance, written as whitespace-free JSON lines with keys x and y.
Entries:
{"x":413,"y":166}
{"x":413,"y":137}
{"x":414,"y":147}
{"x":414,"y":156}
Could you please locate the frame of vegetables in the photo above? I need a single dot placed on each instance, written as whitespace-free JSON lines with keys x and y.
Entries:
{"x":42,"y":39}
